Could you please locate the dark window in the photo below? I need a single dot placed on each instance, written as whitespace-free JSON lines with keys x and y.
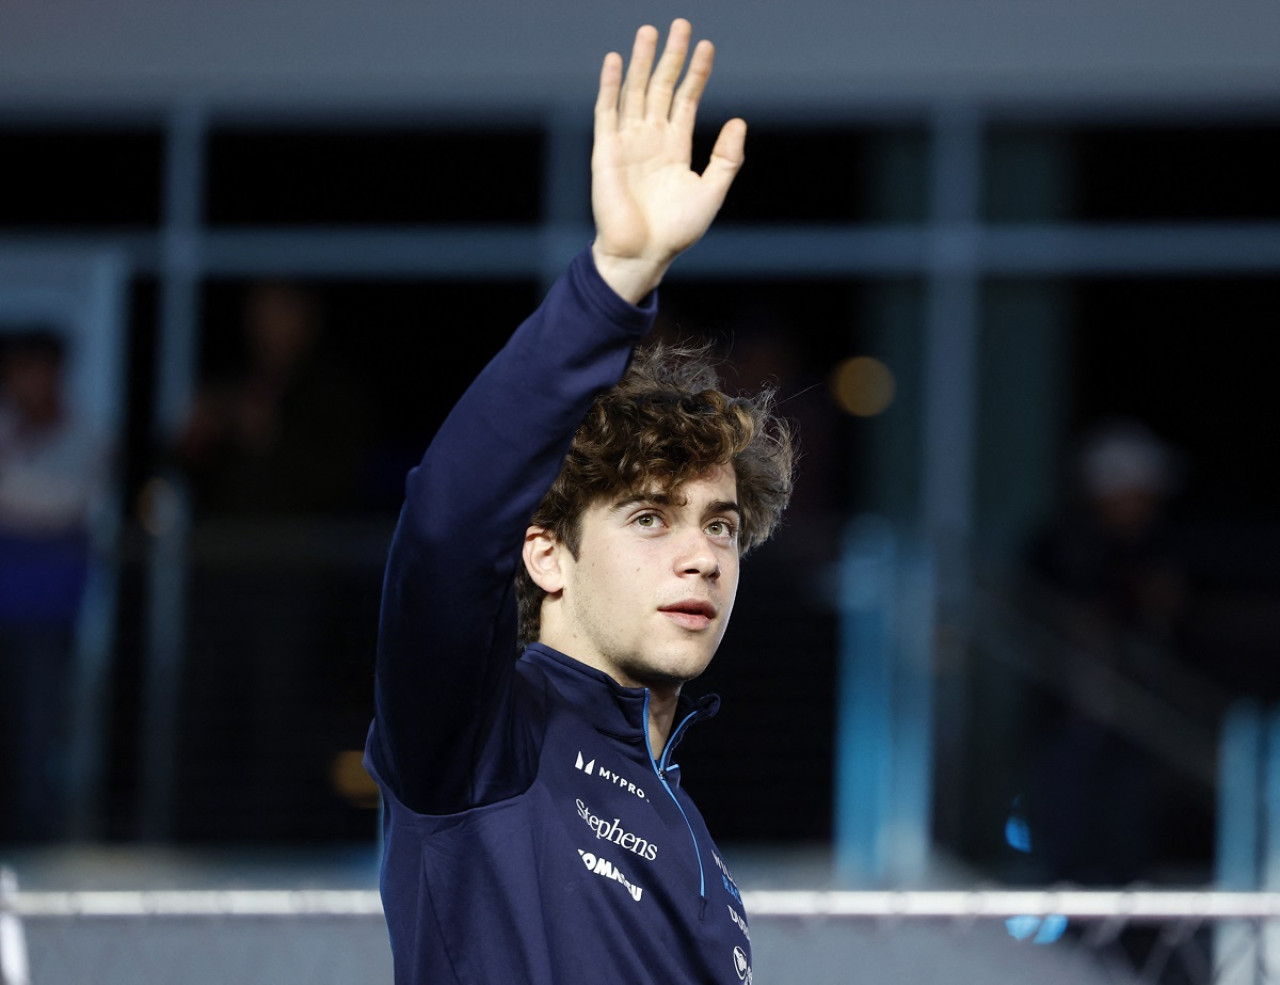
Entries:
{"x":76,"y":178}
{"x":825,"y":175}
{"x":373,"y":176}
{"x":1173,"y":173}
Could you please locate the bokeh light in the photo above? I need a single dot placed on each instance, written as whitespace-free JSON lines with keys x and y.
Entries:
{"x":863,"y":386}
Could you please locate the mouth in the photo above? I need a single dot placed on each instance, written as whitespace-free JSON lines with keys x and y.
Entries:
{"x":690,"y":613}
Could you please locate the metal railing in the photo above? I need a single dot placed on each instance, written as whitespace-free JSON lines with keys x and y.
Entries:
{"x":1186,"y":936}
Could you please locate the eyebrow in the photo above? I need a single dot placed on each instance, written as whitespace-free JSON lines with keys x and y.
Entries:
{"x":726,"y":506}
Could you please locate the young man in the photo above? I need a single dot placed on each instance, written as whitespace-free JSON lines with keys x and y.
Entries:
{"x":535,"y":827}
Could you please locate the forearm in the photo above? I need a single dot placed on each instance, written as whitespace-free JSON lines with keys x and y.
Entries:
{"x":447,"y":630}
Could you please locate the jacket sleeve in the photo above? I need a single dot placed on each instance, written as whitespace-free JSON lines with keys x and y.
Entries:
{"x":441,"y":738}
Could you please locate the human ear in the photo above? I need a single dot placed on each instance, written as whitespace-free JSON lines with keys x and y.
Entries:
{"x":541,"y":555}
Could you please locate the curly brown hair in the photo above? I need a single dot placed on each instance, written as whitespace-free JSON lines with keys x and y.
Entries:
{"x":667,"y":421}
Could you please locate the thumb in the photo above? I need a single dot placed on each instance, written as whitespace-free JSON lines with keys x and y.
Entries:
{"x":726,"y":158}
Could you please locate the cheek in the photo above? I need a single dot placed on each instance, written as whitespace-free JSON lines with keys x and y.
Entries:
{"x":615,"y":573}
{"x":730,"y":587}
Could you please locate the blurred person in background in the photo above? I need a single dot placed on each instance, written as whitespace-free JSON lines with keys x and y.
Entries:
{"x":1108,"y":563}
{"x":1107,"y":575}
{"x":275,"y":449}
{"x":286,"y":434}
{"x":53,"y":468}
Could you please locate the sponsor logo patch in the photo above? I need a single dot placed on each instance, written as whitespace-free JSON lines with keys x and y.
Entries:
{"x":740,"y":921}
{"x":603,"y":867}
{"x":730,"y":886}
{"x":613,"y":831}
{"x":589,"y":767}
{"x":741,"y":965}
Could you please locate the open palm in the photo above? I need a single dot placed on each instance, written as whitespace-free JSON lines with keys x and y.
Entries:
{"x":649,"y":204}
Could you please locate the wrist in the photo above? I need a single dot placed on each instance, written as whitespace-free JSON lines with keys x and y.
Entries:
{"x":631,"y":278}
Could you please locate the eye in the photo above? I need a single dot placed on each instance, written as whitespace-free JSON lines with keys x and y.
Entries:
{"x":648,"y":520}
{"x":723,"y":529}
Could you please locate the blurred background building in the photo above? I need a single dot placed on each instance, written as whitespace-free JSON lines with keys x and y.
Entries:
{"x":277,"y":239}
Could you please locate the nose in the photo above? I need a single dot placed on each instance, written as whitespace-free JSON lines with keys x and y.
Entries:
{"x":697,"y":556}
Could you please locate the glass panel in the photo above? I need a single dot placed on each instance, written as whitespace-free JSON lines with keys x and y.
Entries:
{"x":827,"y":175}
{"x":1176,"y":173}
{"x":57,"y":178}
{"x":328,"y":176}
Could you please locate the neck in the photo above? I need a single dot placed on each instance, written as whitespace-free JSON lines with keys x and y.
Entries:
{"x":662,"y":716}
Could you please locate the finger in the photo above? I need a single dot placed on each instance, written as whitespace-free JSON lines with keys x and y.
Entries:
{"x":636,"y":82}
{"x":726,"y":158}
{"x":684,"y":110}
{"x":665,"y":76}
{"x":606,"y":113}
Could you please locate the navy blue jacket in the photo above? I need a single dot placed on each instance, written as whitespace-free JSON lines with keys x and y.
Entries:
{"x":531,"y":835}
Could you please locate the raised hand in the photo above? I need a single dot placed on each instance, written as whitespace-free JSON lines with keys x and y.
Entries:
{"x":649,"y":204}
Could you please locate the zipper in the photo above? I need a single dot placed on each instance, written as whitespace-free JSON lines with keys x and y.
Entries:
{"x":660,"y":768}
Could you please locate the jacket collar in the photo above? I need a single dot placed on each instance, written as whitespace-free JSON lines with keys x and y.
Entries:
{"x":607,"y":705}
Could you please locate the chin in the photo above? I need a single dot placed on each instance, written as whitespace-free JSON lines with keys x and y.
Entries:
{"x":663,"y":674}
